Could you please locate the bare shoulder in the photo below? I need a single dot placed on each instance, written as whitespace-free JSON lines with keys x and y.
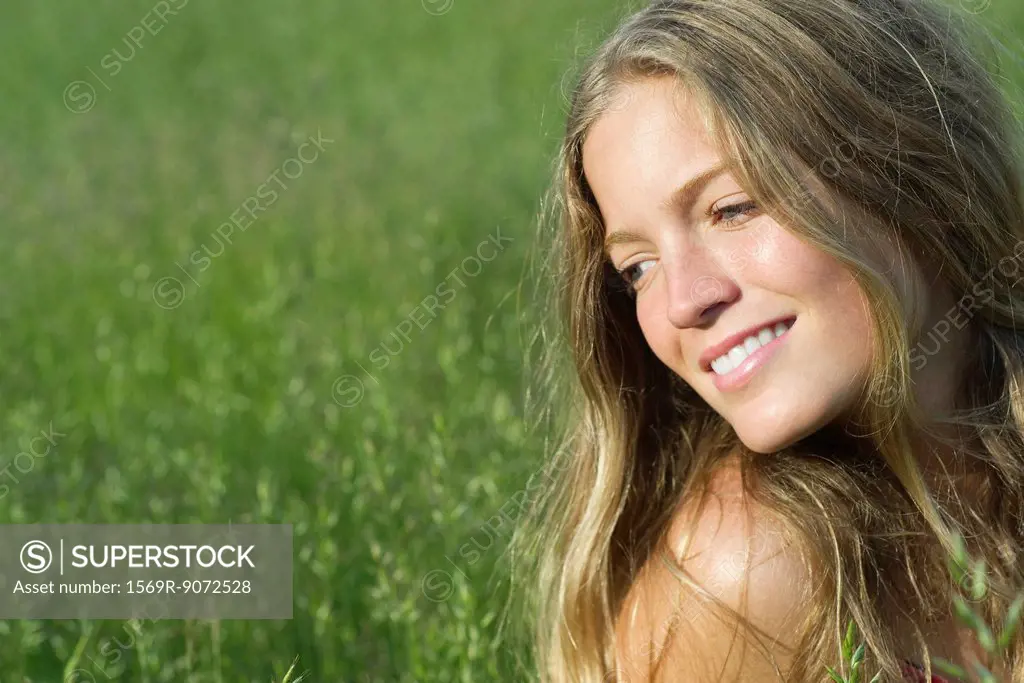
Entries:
{"x":732,"y":550}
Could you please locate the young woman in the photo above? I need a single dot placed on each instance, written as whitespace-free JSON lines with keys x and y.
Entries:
{"x":788,"y":264}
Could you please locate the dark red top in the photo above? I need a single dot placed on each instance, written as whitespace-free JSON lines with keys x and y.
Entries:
{"x":915,"y":674}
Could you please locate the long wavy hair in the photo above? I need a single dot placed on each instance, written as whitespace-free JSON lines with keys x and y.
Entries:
{"x":929,"y":161}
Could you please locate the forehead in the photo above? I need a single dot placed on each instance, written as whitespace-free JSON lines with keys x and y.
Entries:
{"x":646,"y":145}
{"x":647,"y":125}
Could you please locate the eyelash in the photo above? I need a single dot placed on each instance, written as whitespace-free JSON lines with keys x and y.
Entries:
{"x":740,"y":208}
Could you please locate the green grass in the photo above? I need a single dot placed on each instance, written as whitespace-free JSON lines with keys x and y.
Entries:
{"x":221,"y":409}
{"x":226,"y":406}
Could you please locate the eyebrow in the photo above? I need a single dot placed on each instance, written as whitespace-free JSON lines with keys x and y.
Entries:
{"x":683,"y":197}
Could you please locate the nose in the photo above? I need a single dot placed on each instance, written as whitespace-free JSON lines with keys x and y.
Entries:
{"x":697,"y":287}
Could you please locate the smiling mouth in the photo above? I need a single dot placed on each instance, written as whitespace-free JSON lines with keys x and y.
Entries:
{"x":732,"y":359}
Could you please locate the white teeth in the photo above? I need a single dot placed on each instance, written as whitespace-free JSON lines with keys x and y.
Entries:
{"x":727,"y":363}
{"x":721,"y":365}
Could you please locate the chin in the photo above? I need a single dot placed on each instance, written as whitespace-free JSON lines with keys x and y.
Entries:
{"x":776,"y":432}
{"x":761,"y":441}
{"x":782,"y":428}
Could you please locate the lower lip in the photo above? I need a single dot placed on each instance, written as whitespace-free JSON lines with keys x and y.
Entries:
{"x":741,"y":375}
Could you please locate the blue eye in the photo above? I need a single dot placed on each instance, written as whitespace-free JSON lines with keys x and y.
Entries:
{"x":732,"y":214}
{"x":631,"y":274}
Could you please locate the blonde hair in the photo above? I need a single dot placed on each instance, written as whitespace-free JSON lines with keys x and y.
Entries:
{"x":783,"y":85}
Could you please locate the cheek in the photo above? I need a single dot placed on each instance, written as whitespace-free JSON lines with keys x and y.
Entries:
{"x":784,"y":264}
{"x":659,"y":333}
{"x":825,"y":290}
{"x":758,"y":245}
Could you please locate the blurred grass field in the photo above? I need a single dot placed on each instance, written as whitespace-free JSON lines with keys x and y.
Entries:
{"x":234,"y":400}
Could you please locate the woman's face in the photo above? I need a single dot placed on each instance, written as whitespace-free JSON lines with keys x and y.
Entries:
{"x":716,"y":281}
